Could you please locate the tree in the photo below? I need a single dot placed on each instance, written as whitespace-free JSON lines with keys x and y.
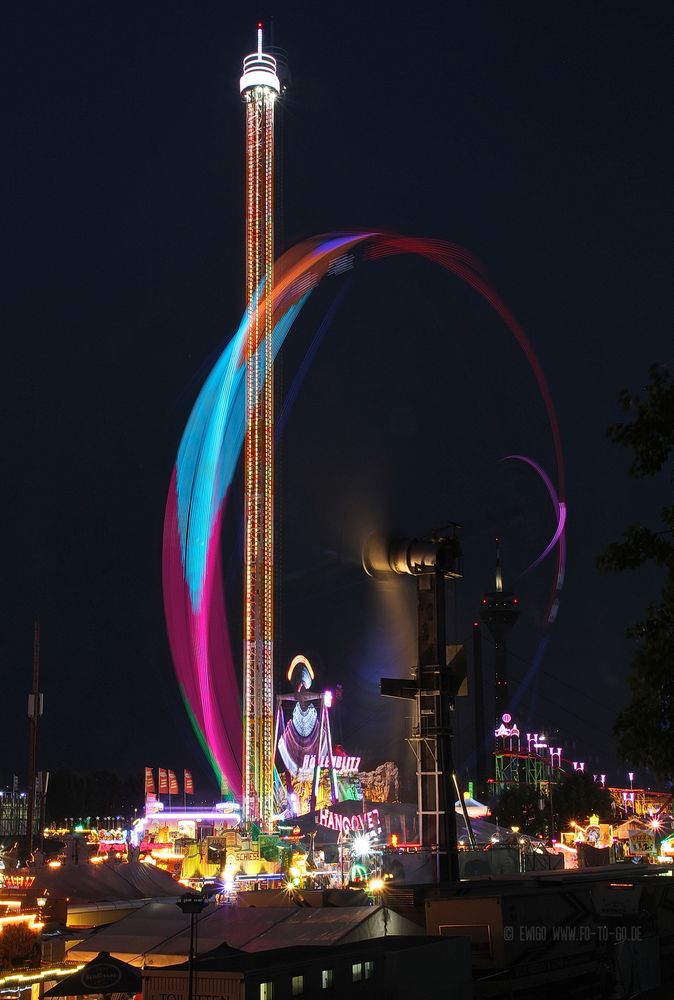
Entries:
{"x":645,"y":727}
{"x":577,"y":797}
{"x":519,"y":805}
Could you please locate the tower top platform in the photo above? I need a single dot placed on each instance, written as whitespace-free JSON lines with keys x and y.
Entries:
{"x":259,"y":69}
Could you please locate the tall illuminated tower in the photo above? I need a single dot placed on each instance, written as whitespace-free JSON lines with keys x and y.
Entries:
{"x":259,"y":87}
{"x":499,"y":612}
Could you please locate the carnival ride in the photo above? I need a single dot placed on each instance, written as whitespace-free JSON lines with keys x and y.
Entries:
{"x":303,"y":750}
{"x":207,"y":458}
{"x":259,"y":87}
{"x":235,"y":411}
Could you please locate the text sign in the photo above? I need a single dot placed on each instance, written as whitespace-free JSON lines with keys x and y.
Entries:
{"x":18,"y":881}
{"x":359,"y":823}
{"x":339,"y":762}
{"x":642,"y":842}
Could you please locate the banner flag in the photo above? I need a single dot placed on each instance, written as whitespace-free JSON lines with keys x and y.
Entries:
{"x":149,"y":781}
{"x":189,"y":786}
{"x":173,"y":783}
{"x":163,"y":781}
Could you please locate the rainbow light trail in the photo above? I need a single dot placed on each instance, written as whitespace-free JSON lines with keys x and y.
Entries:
{"x":207,"y":457}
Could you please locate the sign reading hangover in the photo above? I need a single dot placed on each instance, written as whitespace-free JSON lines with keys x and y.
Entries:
{"x":360,"y":823}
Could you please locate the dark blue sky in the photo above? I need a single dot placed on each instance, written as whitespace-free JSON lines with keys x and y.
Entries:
{"x":538,"y":138}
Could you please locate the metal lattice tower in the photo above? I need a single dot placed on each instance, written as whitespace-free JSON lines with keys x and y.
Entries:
{"x":259,"y":87}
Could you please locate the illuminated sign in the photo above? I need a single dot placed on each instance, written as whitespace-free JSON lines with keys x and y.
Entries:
{"x":504,"y":731}
{"x":359,"y":823}
{"x":642,"y":842}
{"x":18,"y":881}
{"x":339,"y":762}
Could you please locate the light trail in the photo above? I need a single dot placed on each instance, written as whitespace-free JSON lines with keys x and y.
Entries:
{"x":558,"y":539}
{"x":208,"y":454}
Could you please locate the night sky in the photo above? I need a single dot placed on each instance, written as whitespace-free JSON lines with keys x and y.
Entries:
{"x":539,"y":138}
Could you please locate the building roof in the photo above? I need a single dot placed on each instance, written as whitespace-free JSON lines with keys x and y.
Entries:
{"x":158,"y":934}
{"x":313,"y":927}
{"x":87,"y":883}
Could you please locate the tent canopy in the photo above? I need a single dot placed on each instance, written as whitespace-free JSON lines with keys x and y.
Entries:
{"x":104,"y":974}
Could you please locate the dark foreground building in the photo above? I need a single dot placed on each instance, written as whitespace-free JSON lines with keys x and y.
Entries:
{"x":387,"y":968}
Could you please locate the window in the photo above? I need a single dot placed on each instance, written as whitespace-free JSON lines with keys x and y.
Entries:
{"x":297,"y":986}
{"x":369,"y":970}
{"x":357,"y":972}
{"x":265,"y":991}
{"x":327,"y":979}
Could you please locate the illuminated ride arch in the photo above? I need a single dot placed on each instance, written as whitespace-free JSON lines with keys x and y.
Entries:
{"x":209,"y":450}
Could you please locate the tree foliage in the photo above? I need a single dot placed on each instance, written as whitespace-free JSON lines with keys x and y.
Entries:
{"x":577,"y":797}
{"x":519,"y":805}
{"x":645,"y":727}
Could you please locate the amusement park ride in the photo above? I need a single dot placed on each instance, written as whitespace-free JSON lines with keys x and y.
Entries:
{"x":311,"y":774}
{"x":289,"y":765}
{"x":259,"y":87}
{"x":289,"y":768}
{"x":302,"y":742}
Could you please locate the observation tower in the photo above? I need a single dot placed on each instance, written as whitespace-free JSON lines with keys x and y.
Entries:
{"x":259,"y":87}
{"x":499,"y":612}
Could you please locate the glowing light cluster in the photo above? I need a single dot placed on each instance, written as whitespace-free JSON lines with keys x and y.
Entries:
{"x":207,"y":457}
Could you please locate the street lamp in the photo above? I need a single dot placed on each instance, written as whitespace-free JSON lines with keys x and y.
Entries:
{"x":194,"y":905}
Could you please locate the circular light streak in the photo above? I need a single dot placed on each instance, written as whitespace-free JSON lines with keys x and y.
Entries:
{"x":207,"y":458}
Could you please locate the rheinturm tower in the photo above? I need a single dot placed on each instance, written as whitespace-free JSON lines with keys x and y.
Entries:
{"x":259,"y":88}
{"x":499,"y":611}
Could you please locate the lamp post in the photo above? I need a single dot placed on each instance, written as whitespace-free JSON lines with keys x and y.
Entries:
{"x":194,"y":905}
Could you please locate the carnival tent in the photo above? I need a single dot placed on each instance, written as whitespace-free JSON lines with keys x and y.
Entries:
{"x":104,"y":974}
{"x":158,"y":934}
{"x":110,"y":880}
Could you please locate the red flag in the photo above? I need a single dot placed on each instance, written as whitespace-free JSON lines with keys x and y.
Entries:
{"x":163,"y":781}
{"x":149,"y":781}
{"x":173,"y":783}
{"x":189,"y":786}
